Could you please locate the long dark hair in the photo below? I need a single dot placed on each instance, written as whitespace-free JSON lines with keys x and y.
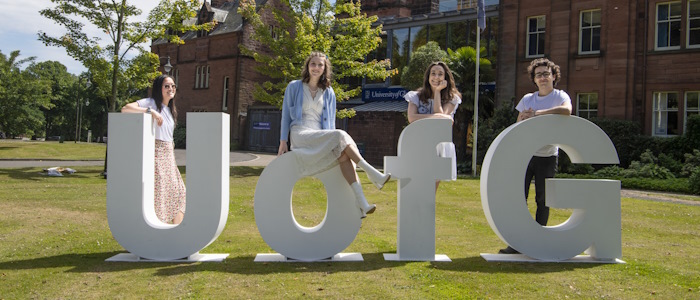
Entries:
{"x":157,"y":95}
{"x":447,"y":94}
{"x":325,"y":80}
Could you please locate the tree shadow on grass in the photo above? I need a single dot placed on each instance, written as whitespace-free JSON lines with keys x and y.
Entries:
{"x":247,"y":266}
{"x":95,"y":262}
{"x":239,"y":172}
{"x":480,"y":265}
{"x":36,"y":174}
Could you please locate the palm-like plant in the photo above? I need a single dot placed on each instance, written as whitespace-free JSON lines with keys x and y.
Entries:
{"x":462,"y":62}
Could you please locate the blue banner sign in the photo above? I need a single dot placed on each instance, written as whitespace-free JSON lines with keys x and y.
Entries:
{"x":261,"y":125}
{"x":383,"y":94}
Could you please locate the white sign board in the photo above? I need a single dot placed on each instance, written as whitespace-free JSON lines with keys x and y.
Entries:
{"x":130,"y":191}
{"x":595,"y":224}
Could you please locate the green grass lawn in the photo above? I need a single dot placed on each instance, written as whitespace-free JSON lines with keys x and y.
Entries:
{"x":17,"y":149}
{"x":54,"y":238}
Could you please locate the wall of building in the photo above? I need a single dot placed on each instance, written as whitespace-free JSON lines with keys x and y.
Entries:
{"x":626,"y":72}
{"x":377,"y":132}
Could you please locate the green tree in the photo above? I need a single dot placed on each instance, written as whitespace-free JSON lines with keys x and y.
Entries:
{"x":341,"y":31}
{"x":413,"y":73}
{"x":108,"y":63}
{"x":22,"y":97}
{"x":60,"y":117}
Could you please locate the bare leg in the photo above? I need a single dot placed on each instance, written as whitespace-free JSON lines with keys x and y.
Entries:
{"x":178,"y":218}
{"x":347,"y":168}
{"x":352,"y":153}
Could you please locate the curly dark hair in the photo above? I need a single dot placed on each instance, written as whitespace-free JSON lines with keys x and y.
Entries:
{"x":543,"y":62}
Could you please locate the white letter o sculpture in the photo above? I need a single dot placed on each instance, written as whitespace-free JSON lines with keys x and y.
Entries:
{"x":595,"y":224}
{"x":275,"y":219}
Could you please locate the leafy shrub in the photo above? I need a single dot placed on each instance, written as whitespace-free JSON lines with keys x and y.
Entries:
{"x":623,"y":134}
{"x":180,"y":136}
{"x":694,"y":181}
{"x":610,"y":172}
{"x":670,"y":163}
{"x":692,"y":131}
{"x":412,"y":74}
{"x":692,"y":162}
{"x":503,"y":117}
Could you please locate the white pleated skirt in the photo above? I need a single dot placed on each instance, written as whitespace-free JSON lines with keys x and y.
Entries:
{"x":447,"y":149}
{"x":318,"y":150}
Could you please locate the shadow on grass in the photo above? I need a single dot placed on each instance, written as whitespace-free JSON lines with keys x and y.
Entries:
{"x":95,"y":262}
{"x":478,"y":264}
{"x":238,"y":172}
{"x":36,"y":174}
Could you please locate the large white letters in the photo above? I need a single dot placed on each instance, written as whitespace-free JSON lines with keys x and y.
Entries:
{"x":595,"y":224}
{"x":417,"y":167}
{"x":130,"y":209}
{"x":275,"y":219}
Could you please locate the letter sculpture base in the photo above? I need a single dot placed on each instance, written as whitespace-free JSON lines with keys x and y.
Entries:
{"x":197,"y":257}
{"x":276,"y":257}
{"x":395,"y":257}
{"x":524,"y":258}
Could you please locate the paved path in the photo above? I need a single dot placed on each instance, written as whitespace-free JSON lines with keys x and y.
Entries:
{"x":238,"y":158}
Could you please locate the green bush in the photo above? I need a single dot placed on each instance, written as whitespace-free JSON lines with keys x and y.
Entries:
{"x":692,"y":131}
{"x":503,"y":117}
{"x":412,"y":74}
{"x":180,"y":136}
{"x":623,"y":134}
{"x":670,"y":163}
{"x":610,"y":172}
{"x":692,"y":162}
{"x":694,"y":181}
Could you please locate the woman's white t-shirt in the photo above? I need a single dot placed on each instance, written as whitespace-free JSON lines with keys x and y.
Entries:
{"x":165,"y":131}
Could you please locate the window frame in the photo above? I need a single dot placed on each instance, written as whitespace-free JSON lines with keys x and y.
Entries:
{"x":196,"y":78}
{"x":696,"y":110}
{"x":688,"y":28}
{"x":669,"y":21}
{"x":659,"y":111}
{"x":588,"y":110}
{"x":224,"y":99}
{"x":543,"y":32}
{"x":592,"y":29}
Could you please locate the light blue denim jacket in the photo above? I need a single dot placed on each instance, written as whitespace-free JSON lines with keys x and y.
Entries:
{"x":292,"y":108}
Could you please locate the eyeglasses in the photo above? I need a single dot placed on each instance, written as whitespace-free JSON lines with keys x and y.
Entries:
{"x":543,"y":74}
{"x":167,"y":86}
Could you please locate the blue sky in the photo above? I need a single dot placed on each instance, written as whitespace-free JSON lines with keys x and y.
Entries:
{"x":20,"y":22}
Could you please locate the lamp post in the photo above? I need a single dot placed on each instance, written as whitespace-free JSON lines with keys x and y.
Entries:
{"x":167,"y":67}
{"x":77,"y":111}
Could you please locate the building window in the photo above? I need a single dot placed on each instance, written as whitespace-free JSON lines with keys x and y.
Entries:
{"x":274,"y":32}
{"x":535,"y":36}
{"x":665,"y":117}
{"x":224,"y":100}
{"x":694,"y":24}
{"x":589,"y":34}
{"x":668,"y":26}
{"x":196,"y":78}
{"x":201,"y":77}
{"x":692,"y":105}
{"x":587,"y":105}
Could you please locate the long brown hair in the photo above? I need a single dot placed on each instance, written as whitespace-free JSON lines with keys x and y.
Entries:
{"x":447,"y":94}
{"x":325,"y":80}
{"x":157,"y":95}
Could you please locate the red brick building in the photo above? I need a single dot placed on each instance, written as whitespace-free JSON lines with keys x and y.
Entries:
{"x":211,"y":73}
{"x":623,"y":59}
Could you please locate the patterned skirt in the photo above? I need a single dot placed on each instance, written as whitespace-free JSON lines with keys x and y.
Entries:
{"x":169,"y":187}
{"x":318,"y":150}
